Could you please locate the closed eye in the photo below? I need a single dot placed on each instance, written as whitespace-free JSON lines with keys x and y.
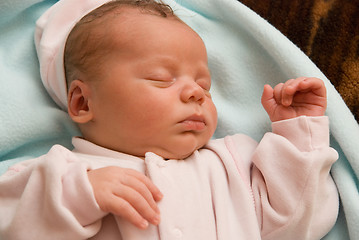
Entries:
{"x":203,"y":78}
{"x":204,"y":83}
{"x":161,"y":82}
{"x":207,"y":93}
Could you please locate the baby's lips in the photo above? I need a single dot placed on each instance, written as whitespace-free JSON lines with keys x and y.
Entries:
{"x":194,"y":123}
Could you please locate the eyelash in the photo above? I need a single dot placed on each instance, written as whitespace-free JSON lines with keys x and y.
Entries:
{"x":161,"y":82}
{"x":204,"y":83}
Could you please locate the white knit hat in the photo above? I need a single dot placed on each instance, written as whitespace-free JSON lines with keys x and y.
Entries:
{"x":52,"y":29}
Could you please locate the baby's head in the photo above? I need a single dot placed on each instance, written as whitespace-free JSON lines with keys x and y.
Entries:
{"x":90,"y":40}
{"x":138,"y":80}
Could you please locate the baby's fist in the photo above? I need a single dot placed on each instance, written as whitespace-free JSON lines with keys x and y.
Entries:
{"x":294,"y":98}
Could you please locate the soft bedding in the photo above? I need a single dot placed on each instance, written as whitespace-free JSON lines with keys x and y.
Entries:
{"x":245,"y":52}
{"x":325,"y":30}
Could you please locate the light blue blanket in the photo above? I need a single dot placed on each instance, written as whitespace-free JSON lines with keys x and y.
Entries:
{"x":245,"y":52}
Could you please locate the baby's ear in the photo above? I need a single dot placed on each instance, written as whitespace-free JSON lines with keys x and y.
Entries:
{"x":79,"y":102}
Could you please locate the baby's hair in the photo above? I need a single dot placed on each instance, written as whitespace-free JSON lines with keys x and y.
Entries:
{"x":87,"y":43}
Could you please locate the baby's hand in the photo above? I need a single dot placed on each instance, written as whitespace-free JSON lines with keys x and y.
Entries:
{"x":296,"y":97}
{"x":126,"y":193}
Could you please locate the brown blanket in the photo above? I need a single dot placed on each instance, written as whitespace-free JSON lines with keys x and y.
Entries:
{"x":327,"y":31}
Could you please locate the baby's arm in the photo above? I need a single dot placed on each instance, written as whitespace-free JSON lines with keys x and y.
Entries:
{"x":49,"y":198}
{"x":294,"y":194}
{"x":126,"y":193}
{"x":294,"y":98}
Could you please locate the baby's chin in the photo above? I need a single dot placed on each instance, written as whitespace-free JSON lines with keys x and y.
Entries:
{"x":179,"y":156}
{"x":174,"y":148}
{"x":178,"y":153}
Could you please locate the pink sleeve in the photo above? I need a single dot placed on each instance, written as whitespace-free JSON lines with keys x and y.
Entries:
{"x":295,"y":196}
{"x":52,"y":190}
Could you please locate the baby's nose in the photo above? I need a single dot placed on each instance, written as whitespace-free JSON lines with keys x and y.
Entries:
{"x":192,"y":92}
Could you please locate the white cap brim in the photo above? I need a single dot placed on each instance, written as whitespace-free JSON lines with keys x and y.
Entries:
{"x":52,"y":30}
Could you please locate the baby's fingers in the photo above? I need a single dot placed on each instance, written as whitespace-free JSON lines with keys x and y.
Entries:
{"x":142,"y":191}
{"x":126,"y":209}
{"x":278,"y":92}
{"x":134,"y":207}
{"x":289,"y":89}
{"x":302,"y":84}
{"x":156,"y":193}
{"x":125,"y":192}
{"x":313,"y":85}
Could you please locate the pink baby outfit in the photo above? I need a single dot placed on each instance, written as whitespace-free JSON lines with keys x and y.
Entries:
{"x":233,"y":188}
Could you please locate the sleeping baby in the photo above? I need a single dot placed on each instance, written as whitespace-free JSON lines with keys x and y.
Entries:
{"x":135,"y":80}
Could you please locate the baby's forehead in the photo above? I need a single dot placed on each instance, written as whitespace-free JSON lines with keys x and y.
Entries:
{"x":122,"y":20}
{"x":129,"y":22}
{"x":116,"y":9}
{"x":128,"y":15}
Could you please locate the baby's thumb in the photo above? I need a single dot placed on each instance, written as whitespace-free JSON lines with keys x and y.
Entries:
{"x":267,"y":96}
{"x":268,"y":102}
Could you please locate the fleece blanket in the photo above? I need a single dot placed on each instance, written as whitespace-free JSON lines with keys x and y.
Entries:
{"x":325,"y":30}
{"x":245,"y":52}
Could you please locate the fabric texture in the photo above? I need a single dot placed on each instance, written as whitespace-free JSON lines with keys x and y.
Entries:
{"x":327,"y":32}
{"x":233,"y":188}
{"x":245,"y":52}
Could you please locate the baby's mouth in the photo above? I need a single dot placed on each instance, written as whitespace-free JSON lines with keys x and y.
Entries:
{"x":194,"y":123}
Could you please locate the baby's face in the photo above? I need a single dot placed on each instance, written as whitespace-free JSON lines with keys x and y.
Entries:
{"x":154,"y":93}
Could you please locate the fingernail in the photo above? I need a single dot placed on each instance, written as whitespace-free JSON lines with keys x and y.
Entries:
{"x":160,"y":195}
{"x":144,"y":224}
{"x":156,"y":220}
